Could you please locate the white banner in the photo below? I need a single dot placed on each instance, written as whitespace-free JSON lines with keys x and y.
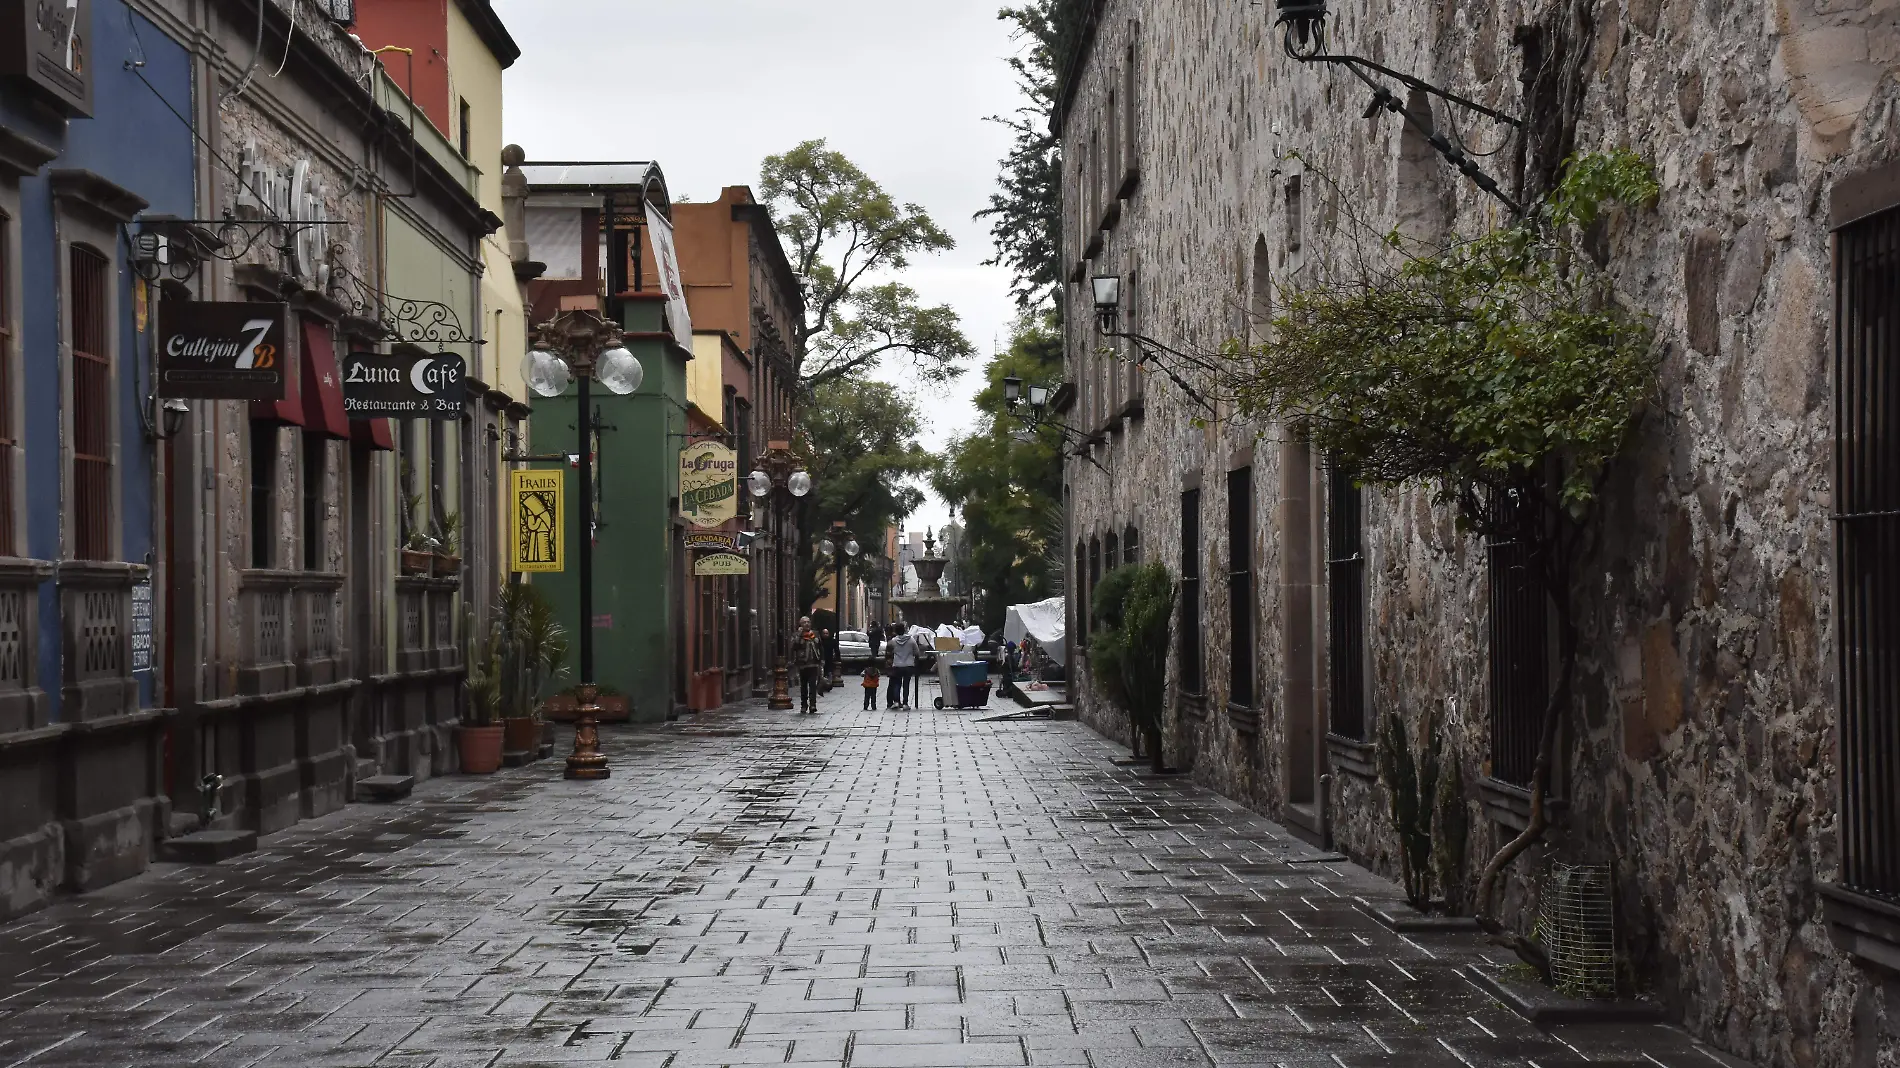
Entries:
{"x":668,"y":260}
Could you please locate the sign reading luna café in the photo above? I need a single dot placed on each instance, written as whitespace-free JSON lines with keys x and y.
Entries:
{"x":403,"y":387}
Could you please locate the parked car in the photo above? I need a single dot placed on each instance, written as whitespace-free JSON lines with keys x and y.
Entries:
{"x":854,"y":648}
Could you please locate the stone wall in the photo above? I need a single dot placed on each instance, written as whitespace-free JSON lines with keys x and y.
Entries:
{"x":1702,"y":752}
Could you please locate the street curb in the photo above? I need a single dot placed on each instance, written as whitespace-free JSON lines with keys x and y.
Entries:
{"x":1542,"y":1006}
{"x":1403,"y":919}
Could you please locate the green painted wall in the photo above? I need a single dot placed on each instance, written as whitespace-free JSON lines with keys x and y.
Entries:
{"x":634,"y":554}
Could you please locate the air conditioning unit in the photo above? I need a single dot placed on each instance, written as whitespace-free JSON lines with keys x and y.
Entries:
{"x":343,"y":11}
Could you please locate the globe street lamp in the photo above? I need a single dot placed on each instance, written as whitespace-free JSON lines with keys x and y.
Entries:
{"x":582,"y":345}
{"x":779,"y":476}
{"x":841,"y":537}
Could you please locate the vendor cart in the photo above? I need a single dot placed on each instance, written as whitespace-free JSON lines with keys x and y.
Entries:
{"x":962,"y":680}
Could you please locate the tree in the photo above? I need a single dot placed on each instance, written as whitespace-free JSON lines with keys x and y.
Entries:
{"x":848,"y":235}
{"x":862,"y":441}
{"x":1007,"y":480}
{"x":1503,"y":372}
{"x":1147,"y":622}
{"x":1025,"y":212}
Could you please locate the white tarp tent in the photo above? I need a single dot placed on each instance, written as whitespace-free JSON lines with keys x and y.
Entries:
{"x":1045,"y":621}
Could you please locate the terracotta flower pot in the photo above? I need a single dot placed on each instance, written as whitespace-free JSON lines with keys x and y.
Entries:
{"x":521,"y":734}
{"x":416,"y":563}
{"x":447,"y":566}
{"x":480,"y":748}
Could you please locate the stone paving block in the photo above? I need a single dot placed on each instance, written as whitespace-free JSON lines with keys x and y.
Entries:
{"x":921,"y":890}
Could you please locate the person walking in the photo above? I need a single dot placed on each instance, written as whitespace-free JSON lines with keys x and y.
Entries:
{"x":903,"y":653}
{"x":870,"y":685}
{"x":808,"y":659}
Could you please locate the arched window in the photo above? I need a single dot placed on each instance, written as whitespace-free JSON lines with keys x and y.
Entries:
{"x":1131,"y":546}
{"x":1111,"y":552}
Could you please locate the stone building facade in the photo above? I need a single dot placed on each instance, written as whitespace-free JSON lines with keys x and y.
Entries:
{"x":1716,"y":749}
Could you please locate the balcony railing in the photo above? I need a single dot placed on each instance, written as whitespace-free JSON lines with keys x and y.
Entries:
{"x":290,"y":630}
{"x":426,"y":633}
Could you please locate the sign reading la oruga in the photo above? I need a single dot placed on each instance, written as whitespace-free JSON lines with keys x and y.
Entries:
{"x":709,"y":484}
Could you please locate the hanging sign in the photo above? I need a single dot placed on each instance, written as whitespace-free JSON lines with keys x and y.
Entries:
{"x":46,"y":45}
{"x":538,"y":521}
{"x":403,"y":387}
{"x":722,"y":564}
{"x":709,"y":484}
{"x":142,"y":626}
{"x":221,"y":350}
{"x":713,"y":541}
{"x":666,"y":258}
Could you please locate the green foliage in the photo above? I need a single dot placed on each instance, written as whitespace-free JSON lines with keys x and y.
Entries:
{"x":863,"y":452}
{"x":1147,"y":618}
{"x":847,"y":235}
{"x":1025,"y":212}
{"x":1475,"y":367}
{"x":1007,"y":481}
{"x":529,"y":650}
{"x":1411,"y":788}
{"x":1108,"y":642}
{"x":1453,"y":834}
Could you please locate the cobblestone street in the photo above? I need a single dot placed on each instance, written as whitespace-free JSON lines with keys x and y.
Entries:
{"x":867,"y":889}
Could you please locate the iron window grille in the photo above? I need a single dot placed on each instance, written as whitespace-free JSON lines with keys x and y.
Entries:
{"x":1867,"y":547}
{"x":1131,"y":546}
{"x":1193,"y":661}
{"x":1346,"y":605}
{"x":1240,"y":585}
{"x":263,"y":491}
{"x":92,"y":406}
{"x":1111,"y":552}
{"x":1520,"y":644}
{"x":7,"y":440}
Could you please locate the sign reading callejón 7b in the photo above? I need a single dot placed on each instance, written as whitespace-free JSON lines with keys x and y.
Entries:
{"x":221,"y":350}
{"x":538,"y":522}
{"x":709,"y":484}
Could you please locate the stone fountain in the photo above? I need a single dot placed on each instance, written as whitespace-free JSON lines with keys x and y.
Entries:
{"x":929,"y":608}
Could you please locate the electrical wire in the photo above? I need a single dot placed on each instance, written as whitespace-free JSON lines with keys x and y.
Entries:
{"x":250,"y":72}
{"x":295,"y":7}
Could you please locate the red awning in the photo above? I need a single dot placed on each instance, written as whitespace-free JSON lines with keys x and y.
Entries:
{"x":322,"y":385}
{"x":374,"y":431}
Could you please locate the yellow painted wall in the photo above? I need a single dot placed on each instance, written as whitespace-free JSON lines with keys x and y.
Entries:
{"x":475,"y":75}
{"x":705,"y":385}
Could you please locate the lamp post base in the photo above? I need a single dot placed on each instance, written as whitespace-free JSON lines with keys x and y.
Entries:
{"x":587,"y":761}
{"x":781,"y":700}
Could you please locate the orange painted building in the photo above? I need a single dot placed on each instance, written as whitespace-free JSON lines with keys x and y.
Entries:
{"x":745,"y":306}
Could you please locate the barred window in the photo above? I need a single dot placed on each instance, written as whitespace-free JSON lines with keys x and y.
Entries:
{"x":1867,"y":547}
{"x":1131,"y":546}
{"x":1240,"y":586}
{"x":1193,"y":670}
{"x":1520,"y":645}
{"x":263,"y":492}
{"x":8,"y":441}
{"x":92,"y":405}
{"x":1111,"y":552}
{"x":1346,"y":605}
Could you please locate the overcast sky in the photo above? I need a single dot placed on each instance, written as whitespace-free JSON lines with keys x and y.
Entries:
{"x":711,"y":87}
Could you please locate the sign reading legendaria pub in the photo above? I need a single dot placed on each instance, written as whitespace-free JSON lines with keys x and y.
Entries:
{"x":709,"y":484}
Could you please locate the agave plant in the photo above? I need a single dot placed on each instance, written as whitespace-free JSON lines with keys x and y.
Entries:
{"x":532,"y":649}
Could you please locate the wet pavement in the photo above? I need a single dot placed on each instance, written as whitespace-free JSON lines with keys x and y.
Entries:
{"x":885,"y":890}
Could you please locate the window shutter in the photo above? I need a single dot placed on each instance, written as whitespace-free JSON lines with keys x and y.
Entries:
{"x":1131,"y":157}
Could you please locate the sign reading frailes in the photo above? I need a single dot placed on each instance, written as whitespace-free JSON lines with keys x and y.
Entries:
{"x":403,"y":387}
{"x":539,"y":521}
{"x":222,"y":350}
{"x":709,"y":484}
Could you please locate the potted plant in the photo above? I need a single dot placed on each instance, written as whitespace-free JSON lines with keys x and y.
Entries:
{"x":533,"y":648}
{"x":448,"y":550}
{"x":479,"y":738}
{"x":416,"y":555}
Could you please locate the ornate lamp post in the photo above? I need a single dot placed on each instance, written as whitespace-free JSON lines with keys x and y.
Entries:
{"x":583,"y":345}
{"x":779,"y":475}
{"x":841,"y":539}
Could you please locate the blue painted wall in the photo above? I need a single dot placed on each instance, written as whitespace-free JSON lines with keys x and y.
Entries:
{"x":135,"y":140}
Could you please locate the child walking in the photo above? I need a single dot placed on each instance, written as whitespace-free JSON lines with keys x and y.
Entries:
{"x":870,"y":686}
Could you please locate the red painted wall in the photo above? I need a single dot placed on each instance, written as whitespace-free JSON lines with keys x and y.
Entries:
{"x":422,"y":25}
